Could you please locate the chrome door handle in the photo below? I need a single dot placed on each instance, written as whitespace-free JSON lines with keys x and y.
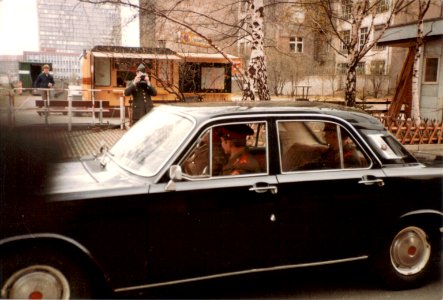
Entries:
{"x":371,"y":180}
{"x":264,"y":189}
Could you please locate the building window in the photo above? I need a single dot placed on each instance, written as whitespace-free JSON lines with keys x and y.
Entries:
{"x":341,"y":68}
{"x":377,"y":30}
{"x":431,"y":69}
{"x":346,"y":7}
{"x":382,"y":6}
{"x":346,"y":38}
{"x":296,"y":44}
{"x":360,"y":68}
{"x":378,"y":67}
{"x":364,"y":31}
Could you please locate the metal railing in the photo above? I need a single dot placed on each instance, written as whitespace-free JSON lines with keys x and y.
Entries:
{"x":13,"y":110}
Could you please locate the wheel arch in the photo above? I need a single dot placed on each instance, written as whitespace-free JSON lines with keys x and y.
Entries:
{"x":384,"y":257}
{"x":56,"y":243}
{"x":432,"y":219}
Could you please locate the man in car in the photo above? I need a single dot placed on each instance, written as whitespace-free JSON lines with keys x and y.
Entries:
{"x":331,"y":157}
{"x":233,"y":142}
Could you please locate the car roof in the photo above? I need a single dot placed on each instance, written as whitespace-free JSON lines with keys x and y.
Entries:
{"x":208,"y":110}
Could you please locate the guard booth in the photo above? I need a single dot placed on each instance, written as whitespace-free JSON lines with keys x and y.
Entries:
{"x":107,"y":70}
{"x":29,"y":71}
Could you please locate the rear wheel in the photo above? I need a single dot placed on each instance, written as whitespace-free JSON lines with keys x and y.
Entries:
{"x":407,"y":258}
{"x":39,"y":274}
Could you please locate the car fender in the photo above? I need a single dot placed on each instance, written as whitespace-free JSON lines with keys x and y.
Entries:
{"x":432,"y":216}
{"x":62,"y":243}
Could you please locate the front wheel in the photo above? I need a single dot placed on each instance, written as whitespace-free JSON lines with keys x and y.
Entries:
{"x":407,"y":258}
{"x":37,"y":274}
{"x":36,"y":282}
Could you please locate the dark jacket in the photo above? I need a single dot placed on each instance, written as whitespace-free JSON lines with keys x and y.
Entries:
{"x":43,"y":80}
{"x":141,"y":99}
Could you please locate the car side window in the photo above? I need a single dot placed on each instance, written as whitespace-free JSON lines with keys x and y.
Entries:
{"x":228,"y":149}
{"x":196,"y":162}
{"x":313,"y":145}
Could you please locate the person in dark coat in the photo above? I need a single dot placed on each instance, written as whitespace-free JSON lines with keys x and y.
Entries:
{"x":233,"y":142}
{"x":141,"y":90}
{"x":44,"y":81}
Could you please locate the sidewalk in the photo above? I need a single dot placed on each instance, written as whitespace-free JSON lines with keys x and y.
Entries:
{"x":71,"y":145}
{"x":425,"y":152}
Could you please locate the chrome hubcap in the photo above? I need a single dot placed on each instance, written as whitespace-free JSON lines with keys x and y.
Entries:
{"x":410,"y":251}
{"x":36,"y":282}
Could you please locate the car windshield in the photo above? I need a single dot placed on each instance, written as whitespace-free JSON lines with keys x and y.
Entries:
{"x":151,"y":141}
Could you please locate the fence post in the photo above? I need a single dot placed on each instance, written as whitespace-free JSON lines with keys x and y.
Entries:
{"x":122,"y":112}
{"x":11,"y":112}
{"x":46,"y":103}
{"x":93,"y":108}
{"x":69,"y":113}
{"x":100,"y":116}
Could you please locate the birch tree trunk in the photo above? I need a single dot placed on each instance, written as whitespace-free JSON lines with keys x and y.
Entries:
{"x":351,"y":86}
{"x":415,"y":111}
{"x":256,"y":83}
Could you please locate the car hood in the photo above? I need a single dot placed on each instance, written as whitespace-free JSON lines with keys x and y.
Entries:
{"x":88,"y":178}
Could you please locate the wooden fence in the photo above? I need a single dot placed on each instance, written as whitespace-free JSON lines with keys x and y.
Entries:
{"x":408,"y":133}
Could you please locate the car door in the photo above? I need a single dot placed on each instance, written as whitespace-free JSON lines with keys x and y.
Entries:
{"x":213,"y":224}
{"x":329,"y":202}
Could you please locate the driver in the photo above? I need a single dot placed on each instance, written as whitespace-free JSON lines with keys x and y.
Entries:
{"x":233,"y":142}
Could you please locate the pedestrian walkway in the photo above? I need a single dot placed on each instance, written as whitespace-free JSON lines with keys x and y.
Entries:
{"x":71,"y":145}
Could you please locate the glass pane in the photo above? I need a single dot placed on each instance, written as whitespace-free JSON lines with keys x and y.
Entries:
{"x":431,"y":69}
{"x":317,"y":145}
{"x":243,"y":148}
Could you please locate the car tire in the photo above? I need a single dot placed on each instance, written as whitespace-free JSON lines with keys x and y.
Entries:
{"x":407,"y":258}
{"x":42,"y":274}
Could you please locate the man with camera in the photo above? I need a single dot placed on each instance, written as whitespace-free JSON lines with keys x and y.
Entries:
{"x":141,"y":90}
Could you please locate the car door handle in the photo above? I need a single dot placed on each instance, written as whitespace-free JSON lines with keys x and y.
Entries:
{"x":264,"y":189}
{"x":371,"y":180}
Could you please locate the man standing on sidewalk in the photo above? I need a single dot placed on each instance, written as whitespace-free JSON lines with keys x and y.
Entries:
{"x":141,"y":90}
{"x":45,"y":81}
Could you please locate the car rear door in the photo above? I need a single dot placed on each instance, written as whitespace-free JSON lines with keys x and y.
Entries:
{"x":327,"y":211}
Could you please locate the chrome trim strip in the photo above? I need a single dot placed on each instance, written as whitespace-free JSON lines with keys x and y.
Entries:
{"x":276,"y":268}
{"x":47,"y":236}
{"x":422,"y":211}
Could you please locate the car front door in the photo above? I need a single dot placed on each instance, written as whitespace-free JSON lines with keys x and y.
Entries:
{"x":213,"y":224}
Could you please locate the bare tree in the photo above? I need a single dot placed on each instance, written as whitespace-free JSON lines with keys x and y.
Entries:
{"x":352,"y":23}
{"x":254,"y":78}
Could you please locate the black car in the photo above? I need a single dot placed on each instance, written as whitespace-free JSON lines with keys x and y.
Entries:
{"x":168,"y":203}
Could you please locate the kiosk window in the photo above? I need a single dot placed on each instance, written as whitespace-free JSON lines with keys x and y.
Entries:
{"x":102,"y":67}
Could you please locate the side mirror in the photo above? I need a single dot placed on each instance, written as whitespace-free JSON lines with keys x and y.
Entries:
{"x":175,"y":174}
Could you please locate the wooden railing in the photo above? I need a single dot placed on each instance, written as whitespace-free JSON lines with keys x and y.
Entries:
{"x":408,"y":133}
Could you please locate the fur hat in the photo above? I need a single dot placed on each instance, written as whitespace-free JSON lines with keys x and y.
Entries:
{"x":141,"y":68}
{"x":236,"y":131}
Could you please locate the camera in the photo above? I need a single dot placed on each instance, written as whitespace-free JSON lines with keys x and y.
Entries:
{"x":143,"y":83}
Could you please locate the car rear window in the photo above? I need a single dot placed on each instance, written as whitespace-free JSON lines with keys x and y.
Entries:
{"x":389,"y":149}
